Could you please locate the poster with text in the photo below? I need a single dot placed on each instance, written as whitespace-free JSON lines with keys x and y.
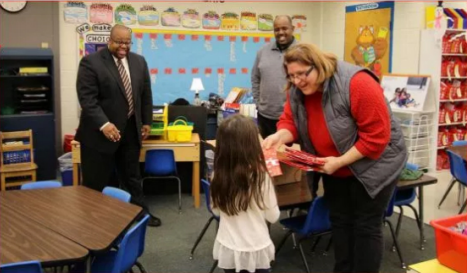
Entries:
{"x":368,"y":36}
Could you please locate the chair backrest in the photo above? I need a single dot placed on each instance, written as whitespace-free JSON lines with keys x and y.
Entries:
{"x":160,"y":162}
{"x":317,"y":219}
{"x":457,"y":167}
{"x":117,"y":193}
{"x":142,"y":239}
{"x":22,"y":267}
{"x":207,"y":195}
{"x":129,"y":249}
{"x":41,"y":185}
{"x":21,"y":141}
{"x":459,"y":143}
{"x":390,"y":207}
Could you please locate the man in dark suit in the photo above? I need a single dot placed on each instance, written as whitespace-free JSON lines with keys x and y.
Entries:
{"x":114,"y":91}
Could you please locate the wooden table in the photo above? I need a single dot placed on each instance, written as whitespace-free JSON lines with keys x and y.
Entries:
{"x":460,"y":150}
{"x":82,"y":215}
{"x":184,"y":152}
{"x":419,"y":183}
{"x":24,"y":240}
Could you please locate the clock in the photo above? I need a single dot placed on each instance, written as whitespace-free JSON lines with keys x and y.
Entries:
{"x":13,"y":6}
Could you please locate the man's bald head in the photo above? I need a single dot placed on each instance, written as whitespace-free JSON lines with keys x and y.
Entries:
{"x":283,"y":17}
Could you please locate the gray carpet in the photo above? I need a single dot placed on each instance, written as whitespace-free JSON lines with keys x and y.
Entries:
{"x":168,"y":247}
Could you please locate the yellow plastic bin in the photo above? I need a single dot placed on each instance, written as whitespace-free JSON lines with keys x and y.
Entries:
{"x":180,"y":130}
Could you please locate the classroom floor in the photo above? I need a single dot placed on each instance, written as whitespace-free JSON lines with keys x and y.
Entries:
{"x":168,"y":247}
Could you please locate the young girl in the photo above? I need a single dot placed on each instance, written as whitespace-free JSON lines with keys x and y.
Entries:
{"x":243,"y":195}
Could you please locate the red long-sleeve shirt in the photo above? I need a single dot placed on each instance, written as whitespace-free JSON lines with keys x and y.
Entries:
{"x":369,"y":110}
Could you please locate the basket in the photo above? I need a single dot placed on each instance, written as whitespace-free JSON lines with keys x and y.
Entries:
{"x":451,"y":247}
{"x":180,"y":130}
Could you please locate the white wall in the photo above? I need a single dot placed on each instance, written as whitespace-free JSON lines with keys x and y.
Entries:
{"x":326,"y":28}
{"x":69,"y":43}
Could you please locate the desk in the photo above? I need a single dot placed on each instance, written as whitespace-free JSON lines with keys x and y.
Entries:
{"x":184,"y":152}
{"x":23,"y":240}
{"x":420,"y":183}
{"x":87,"y":217}
{"x":460,"y":150}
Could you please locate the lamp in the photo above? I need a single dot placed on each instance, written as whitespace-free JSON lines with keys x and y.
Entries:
{"x":197,"y":85}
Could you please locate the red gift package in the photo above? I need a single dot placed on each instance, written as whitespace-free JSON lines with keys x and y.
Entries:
{"x":272,"y":162}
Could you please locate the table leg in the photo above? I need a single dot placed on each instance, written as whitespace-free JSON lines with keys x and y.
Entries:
{"x":75,"y":174}
{"x":420,"y":211}
{"x":88,"y":264}
{"x":196,"y":184}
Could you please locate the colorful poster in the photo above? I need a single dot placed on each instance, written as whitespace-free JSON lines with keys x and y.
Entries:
{"x":211,"y":20}
{"x":265,"y":22}
{"x":101,"y":13}
{"x":230,"y":21}
{"x":148,"y":16}
{"x":368,"y":36}
{"x":75,"y":12}
{"x":191,"y":19}
{"x":299,"y":22}
{"x":125,"y":14}
{"x":248,"y":21}
{"x":170,"y":18}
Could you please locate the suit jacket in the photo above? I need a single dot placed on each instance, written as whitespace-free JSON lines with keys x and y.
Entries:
{"x":102,"y":97}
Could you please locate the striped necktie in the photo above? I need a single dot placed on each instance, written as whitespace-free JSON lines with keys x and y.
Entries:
{"x":127,"y":85}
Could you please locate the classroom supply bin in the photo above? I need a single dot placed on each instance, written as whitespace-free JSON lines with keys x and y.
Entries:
{"x":451,"y":246}
{"x":180,"y":130}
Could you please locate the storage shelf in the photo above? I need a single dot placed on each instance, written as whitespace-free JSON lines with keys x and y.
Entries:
{"x":453,"y":78}
{"x":451,"y":124}
{"x":456,"y":100}
{"x":25,"y":76}
{"x":455,"y":54}
{"x":26,"y":115}
{"x":450,"y":30}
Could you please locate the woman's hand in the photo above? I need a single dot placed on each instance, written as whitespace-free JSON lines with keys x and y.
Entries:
{"x":331,"y":165}
{"x":272,"y":141}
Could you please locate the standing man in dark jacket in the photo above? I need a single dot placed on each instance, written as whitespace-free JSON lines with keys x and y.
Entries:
{"x":268,"y":78}
{"x":115,"y":95}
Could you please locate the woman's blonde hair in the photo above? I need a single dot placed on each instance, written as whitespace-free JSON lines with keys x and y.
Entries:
{"x":309,"y":54}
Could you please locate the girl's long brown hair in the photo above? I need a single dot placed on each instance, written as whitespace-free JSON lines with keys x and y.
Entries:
{"x":239,"y":166}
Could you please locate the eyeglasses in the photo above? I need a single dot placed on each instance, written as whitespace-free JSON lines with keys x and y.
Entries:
{"x":300,"y":75}
{"x":120,"y":43}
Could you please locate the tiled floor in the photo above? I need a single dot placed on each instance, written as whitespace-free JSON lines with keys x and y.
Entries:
{"x":432,"y":196}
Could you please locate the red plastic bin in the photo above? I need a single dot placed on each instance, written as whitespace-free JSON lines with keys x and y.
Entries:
{"x":451,"y":247}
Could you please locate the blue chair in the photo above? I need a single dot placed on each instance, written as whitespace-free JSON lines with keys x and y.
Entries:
{"x":205,"y":184}
{"x":160,"y":163}
{"x":123,"y":259}
{"x":461,"y":193}
{"x":117,"y":193}
{"x":405,"y":198}
{"x":388,"y":213}
{"x":314,"y":224}
{"x":41,"y":185}
{"x":459,"y":174}
{"x":22,"y":267}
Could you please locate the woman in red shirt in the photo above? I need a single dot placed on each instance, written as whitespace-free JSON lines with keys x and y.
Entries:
{"x":337,"y":111}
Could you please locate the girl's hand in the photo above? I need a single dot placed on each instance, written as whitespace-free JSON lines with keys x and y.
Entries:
{"x":331,"y":165}
{"x":272,"y":141}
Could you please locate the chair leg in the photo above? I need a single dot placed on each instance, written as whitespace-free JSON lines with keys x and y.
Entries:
{"x":453,"y":180}
{"x":279,"y":246}
{"x":294,"y":240}
{"x":417,"y":218}
{"x":396,"y":243}
{"x":214,"y":265}
{"x":325,"y":253}
{"x":398,"y":226}
{"x":200,"y":236}
{"x":304,"y":257}
{"x":315,"y":244}
{"x":463,"y":207}
{"x":140,"y":267}
{"x":179,"y":195}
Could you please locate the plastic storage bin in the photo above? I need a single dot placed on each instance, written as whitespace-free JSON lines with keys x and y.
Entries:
{"x":180,"y":130}
{"x":451,"y":247}
{"x":66,"y":169}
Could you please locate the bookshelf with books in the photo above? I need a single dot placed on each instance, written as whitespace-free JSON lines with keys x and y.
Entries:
{"x":27,"y":101}
{"x":443,"y":55}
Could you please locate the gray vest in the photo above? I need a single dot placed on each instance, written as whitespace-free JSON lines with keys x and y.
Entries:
{"x":373,"y":174}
